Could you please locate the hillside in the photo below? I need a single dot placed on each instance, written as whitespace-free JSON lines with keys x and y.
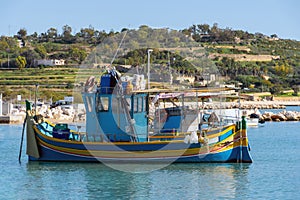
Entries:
{"x":259,"y":62}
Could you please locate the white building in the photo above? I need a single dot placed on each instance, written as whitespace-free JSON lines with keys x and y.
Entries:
{"x":52,"y":62}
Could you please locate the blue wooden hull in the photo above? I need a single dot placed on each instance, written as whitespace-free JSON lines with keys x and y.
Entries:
{"x":231,"y":146}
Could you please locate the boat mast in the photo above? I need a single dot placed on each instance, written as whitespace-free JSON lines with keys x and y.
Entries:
{"x":148,"y":83}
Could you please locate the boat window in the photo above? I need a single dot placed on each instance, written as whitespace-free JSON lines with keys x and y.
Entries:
{"x":144,"y":104}
{"x":89,"y":101}
{"x":140,"y":104}
{"x":135,"y":104}
{"x":103,"y":104}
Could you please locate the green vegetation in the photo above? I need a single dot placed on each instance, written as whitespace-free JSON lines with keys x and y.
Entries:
{"x":261,"y":63}
{"x":20,"y":62}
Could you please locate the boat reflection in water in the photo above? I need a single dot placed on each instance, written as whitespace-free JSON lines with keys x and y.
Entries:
{"x":191,"y":181}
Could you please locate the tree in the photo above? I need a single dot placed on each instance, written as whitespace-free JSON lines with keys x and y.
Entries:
{"x":275,"y":89}
{"x":3,"y":44}
{"x":186,"y":32}
{"x":203,"y":28}
{"x":21,"y":62}
{"x":30,"y":56}
{"x":41,"y":50}
{"x":33,"y":37}
{"x":100,"y":35}
{"x":67,"y":34}
{"x":214,"y":28}
{"x":227,"y":67}
{"x":296,"y":89}
{"x":52,"y":32}
{"x":22,"y":33}
{"x":88,"y":34}
{"x":215,"y":32}
{"x":193,"y":29}
{"x":283,"y":70}
{"x":124,"y":29}
{"x":67,"y":30}
{"x":82,"y":56}
{"x":273,"y":36}
{"x":77,"y":54}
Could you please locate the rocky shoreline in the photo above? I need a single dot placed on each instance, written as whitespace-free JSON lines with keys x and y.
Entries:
{"x":281,"y":116}
{"x":267,"y":116}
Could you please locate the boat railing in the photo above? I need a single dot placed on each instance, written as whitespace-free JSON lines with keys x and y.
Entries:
{"x":51,"y":131}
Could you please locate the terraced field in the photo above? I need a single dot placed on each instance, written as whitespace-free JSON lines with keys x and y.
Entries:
{"x":53,"y":82}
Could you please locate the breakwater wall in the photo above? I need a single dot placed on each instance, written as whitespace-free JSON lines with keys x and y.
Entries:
{"x":281,"y":116}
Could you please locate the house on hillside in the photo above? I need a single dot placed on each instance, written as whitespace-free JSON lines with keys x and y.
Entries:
{"x":21,"y":43}
{"x":51,"y":62}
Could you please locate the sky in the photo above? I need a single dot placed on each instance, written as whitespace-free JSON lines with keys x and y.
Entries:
{"x":281,"y":17}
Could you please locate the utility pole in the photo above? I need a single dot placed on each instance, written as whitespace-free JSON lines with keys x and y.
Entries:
{"x":8,"y":58}
{"x":149,"y":51}
{"x":35,"y":97}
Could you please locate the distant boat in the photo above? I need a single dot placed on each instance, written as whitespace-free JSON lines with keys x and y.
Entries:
{"x":234,"y":115}
{"x":120,"y":128}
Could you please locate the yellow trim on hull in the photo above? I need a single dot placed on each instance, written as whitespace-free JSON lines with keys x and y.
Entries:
{"x":217,"y":148}
{"x":133,"y":143}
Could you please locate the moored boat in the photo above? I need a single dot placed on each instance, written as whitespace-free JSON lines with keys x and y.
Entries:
{"x":254,"y":119}
{"x":118,"y":129}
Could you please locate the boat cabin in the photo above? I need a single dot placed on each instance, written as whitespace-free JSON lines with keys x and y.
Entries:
{"x":112,"y":114}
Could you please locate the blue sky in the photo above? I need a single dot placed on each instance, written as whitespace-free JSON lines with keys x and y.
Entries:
{"x":264,"y":16}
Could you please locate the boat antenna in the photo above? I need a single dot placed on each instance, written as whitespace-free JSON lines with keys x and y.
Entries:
{"x":116,"y":53}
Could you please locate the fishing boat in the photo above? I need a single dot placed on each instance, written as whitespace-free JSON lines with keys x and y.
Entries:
{"x":121,"y":126}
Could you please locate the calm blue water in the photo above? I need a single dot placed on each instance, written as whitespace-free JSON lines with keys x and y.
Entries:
{"x":275,"y":173}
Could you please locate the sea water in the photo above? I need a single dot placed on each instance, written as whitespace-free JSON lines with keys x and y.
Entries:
{"x":274,"y":174}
